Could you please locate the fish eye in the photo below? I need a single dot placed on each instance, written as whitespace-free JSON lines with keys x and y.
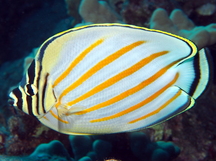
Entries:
{"x":30,"y":89}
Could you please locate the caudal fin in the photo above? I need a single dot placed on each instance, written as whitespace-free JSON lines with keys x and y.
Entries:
{"x":195,"y":74}
{"x":201,"y":65}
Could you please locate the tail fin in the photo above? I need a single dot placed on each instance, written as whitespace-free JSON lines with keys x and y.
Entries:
{"x":201,"y":66}
{"x":195,"y":74}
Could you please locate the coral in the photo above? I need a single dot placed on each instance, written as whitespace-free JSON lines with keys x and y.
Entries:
{"x":146,"y":150}
{"x":87,"y":147}
{"x":102,"y":148}
{"x":72,"y":9}
{"x":202,"y":12}
{"x":54,"y":150}
{"x":206,"y":9}
{"x":91,"y":148}
{"x":95,"y":11}
{"x":117,"y":5}
{"x":85,"y":159}
{"x":179,"y":24}
{"x":39,"y":130}
{"x":125,"y":11}
{"x":136,"y":12}
{"x":81,"y":145}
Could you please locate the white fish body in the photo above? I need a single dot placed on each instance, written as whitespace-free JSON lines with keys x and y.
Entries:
{"x":110,"y":78}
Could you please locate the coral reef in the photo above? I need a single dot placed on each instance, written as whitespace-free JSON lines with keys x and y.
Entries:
{"x":51,"y":151}
{"x":179,"y":24}
{"x":72,"y":10}
{"x":91,"y":148}
{"x":97,"y":12}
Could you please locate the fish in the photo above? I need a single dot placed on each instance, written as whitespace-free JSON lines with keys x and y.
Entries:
{"x":111,"y":78}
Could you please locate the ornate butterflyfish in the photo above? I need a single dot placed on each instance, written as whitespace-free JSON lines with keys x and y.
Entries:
{"x":111,"y":78}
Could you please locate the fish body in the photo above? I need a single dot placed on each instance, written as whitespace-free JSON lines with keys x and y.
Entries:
{"x":110,"y":78}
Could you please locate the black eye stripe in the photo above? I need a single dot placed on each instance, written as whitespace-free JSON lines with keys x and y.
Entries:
{"x":29,"y":90}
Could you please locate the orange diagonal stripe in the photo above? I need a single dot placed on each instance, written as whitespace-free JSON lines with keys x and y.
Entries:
{"x":99,"y":66}
{"x":76,"y":61}
{"x":118,"y":77}
{"x":159,"y":109}
{"x":137,"y":106}
{"x":58,"y":118}
{"x":129,"y":92}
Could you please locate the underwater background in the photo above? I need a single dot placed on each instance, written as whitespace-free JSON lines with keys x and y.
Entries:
{"x":25,"y":25}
